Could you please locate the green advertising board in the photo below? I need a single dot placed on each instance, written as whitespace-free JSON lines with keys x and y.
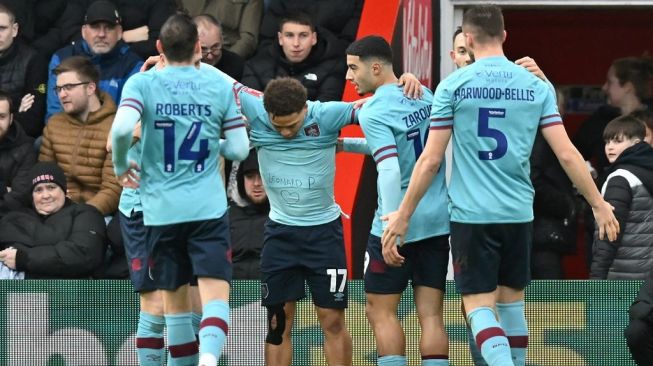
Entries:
{"x":89,"y":323}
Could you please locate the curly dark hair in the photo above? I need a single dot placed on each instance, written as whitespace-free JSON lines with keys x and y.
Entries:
{"x":284,"y":96}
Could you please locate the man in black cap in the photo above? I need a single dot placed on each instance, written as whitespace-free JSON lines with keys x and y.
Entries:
{"x":102,"y":43}
{"x":247,"y":218}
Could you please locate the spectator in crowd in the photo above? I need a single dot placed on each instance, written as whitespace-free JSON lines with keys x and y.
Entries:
{"x":240,"y":21}
{"x":247,"y":221}
{"x":46,"y":25}
{"x":554,"y":210}
{"x":628,"y":188}
{"x":646,"y":116}
{"x":101,"y":43}
{"x":76,"y":138}
{"x":142,"y":21}
{"x":628,"y":88}
{"x":23,"y":75}
{"x":56,"y":238}
{"x":17,"y":156}
{"x":639,"y":332}
{"x":304,"y":53}
{"x":213,"y":52}
{"x":338,"y":17}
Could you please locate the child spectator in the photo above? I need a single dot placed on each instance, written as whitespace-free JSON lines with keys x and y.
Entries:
{"x":628,"y":188}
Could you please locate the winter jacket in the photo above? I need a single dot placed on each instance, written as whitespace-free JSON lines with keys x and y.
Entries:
{"x":240,"y":21}
{"x":642,"y":307}
{"x":69,"y":243}
{"x":22,"y":72}
{"x":247,"y":224}
{"x":322,"y":72}
{"x":231,"y":64}
{"x":80,"y":150}
{"x":554,"y":205}
{"x":46,"y":25}
{"x":115,"y":68}
{"x":628,"y":188}
{"x":17,"y":156}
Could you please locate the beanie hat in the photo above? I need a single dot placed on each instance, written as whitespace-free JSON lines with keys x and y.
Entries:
{"x":48,"y":171}
{"x":250,"y":163}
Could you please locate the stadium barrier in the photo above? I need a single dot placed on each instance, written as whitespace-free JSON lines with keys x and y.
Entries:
{"x":88,"y":323}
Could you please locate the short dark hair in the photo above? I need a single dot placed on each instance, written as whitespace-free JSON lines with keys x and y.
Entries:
{"x":178,"y":37}
{"x":371,"y":47}
{"x":645,"y":115}
{"x":5,"y":9}
{"x":624,"y":126}
{"x":298,"y":17}
{"x":83,"y":67}
{"x":5,"y":96}
{"x":284,"y":96}
{"x":485,"y":22}
{"x":458,"y":30}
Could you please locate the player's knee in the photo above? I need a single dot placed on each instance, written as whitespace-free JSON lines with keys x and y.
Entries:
{"x":276,"y":324}
{"x":377,"y":314}
{"x":333,"y":323}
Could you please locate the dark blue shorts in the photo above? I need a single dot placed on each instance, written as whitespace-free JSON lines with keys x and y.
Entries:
{"x":294,"y":254}
{"x":488,"y":255}
{"x":425,"y":265}
{"x":197,"y":248}
{"x":138,"y":260}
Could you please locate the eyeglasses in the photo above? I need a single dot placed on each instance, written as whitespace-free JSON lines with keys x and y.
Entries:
{"x":214,"y":50}
{"x":69,"y":87}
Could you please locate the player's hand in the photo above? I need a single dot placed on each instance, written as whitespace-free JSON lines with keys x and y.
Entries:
{"x":130,"y":178}
{"x":412,"y":86}
{"x":26,"y":103}
{"x":394,"y":233}
{"x":158,"y":62}
{"x":606,"y":221}
{"x":358,"y":104}
{"x":530,"y":65}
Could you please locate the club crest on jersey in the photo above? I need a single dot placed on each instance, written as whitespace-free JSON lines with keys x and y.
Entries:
{"x":312,"y":130}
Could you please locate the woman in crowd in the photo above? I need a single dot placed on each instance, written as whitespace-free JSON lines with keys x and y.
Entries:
{"x":56,"y":238}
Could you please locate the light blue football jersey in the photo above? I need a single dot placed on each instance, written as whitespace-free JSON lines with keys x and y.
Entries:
{"x":495,"y":108}
{"x":298,"y":173}
{"x":396,"y":127}
{"x":183,"y":113}
{"x":130,"y":199}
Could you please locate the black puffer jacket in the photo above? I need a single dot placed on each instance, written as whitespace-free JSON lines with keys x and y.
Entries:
{"x":22,"y":72}
{"x":17,"y":156}
{"x":322,"y":72}
{"x":628,"y":188}
{"x":67,"y":244}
